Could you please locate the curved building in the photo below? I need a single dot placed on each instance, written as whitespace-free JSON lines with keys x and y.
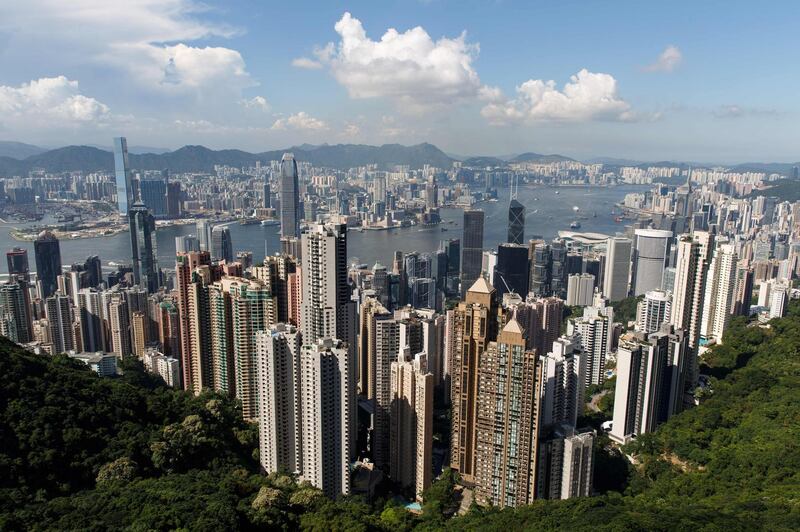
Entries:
{"x":650,"y":253}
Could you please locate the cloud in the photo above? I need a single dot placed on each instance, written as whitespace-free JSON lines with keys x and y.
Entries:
{"x":738,"y":111}
{"x":146,"y":39}
{"x":409,"y":67}
{"x":587,"y":96}
{"x":305,"y":62}
{"x":300,"y":121}
{"x":256,"y":102}
{"x":54,"y":101}
{"x":667,"y":61}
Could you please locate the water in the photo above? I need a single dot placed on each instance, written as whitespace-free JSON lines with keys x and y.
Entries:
{"x":546,"y":214}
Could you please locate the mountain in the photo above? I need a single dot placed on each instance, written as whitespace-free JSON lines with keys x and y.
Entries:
{"x":483,"y":162}
{"x":18,"y":150}
{"x":202,"y":159}
{"x":539,"y":158}
{"x":770,"y":168}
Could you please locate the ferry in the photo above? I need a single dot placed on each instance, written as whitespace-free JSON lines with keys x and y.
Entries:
{"x":270,"y":222}
{"x":575,"y":225}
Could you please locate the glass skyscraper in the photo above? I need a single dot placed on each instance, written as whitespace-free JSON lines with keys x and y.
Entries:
{"x":472,"y":254}
{"x":143,"y":247}
{"x":290,"y":197}
{"x":122,"y":173}
{"x":516,"y":222}
{"x":48,"y":262}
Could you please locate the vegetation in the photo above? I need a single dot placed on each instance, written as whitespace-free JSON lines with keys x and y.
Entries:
{"x":784,"y":189}
{"x":625,"y":309}
{"x":80,"y":452}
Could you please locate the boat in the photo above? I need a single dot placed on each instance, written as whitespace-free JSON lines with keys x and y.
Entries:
{"x":575,"y":225}
{"x":444,"y":229}
{"x":558,"y":192}
{"x":576,"y":208}
{"x":618,"y":219}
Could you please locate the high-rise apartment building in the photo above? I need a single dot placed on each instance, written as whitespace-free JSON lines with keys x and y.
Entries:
{"x":474,"y":327}
{"x":719,"y":294}
{"x":58,"y":310}
{"x":506,"y":422}
{"x":653,"y":310}
{"x":17,"y":260}
{"x":595,"y":328}
{"x":279,"y":399}
{"x":411,"y":418}
{"x":580,"y":289}
{"x":193,"y":276}
{"x":566,"y":463}
{"x":119,"y":322}
{"x":15,"y":317}
{"x":328,"y":410}
{"x":562,"y":384}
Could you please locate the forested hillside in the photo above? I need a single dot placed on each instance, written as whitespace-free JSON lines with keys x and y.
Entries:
{"x":80,"y":452}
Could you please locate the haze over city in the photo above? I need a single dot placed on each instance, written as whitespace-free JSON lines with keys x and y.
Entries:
{"x":686,"y":81}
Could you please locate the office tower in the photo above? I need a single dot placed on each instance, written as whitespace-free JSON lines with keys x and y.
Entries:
{"x":516,"y":222}
{"x":472,"y":241}
{"x":452,"y":249}
{"x":153,"y":193}
{"x":48,"y":262}
{"x":558,"y":268}
{"x":143,"y":247}
{"x":618,"y":268}
{"x":650,"y":379}
{"x":488,"y":264}
{"x":506,"y":422}
{"x":511,"y":274}
{"x":119,"y":327}
{"x":691,"y":273}
{"x":327,"y":310}
{"x":580,"y":289}
{"x":204,"y":229}
{"x":653,"y":310}
{"x":719,"y":294}
{"x":411,"y":433}
{"x":650,"y":253}
{"x":290,"y":197}
{"x":92,"y":320}
{"x":279,"y":399}
{"x":173,"y":199}
{"x":187,"y":244}
{"x":139,"y":332}
{"x":474,"y":326}
{"x":266,"y":194}
{"x":668,"y":280}
{"x":15,"y":316}
{"x":422,"y":293}
{"x":327,"y":415}
{"x":541,"y":268}
{"x":123,"y":177}
{"x":17,"y":260}
{"x":595,"y":329}
{"x":379,"y":188}
{"x":221,"y":244}
{"x":193,"y":275}
{"x":562,"y":384}
{"x":58,"y":311}
{"x":93,"y":270}
{"x":238,"y":308}
{"x":380,"y":284}
{"x":566,"y":463}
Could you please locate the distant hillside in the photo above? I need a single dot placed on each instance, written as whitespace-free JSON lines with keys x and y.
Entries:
{"x":18,"y":150}
{"x":539,"y":158}
{"x":202,"y":159}
{"x":484,"y":162}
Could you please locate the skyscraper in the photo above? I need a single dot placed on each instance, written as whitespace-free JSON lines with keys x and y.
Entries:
{"x":411,"y":433}
{"x":279,"y":399}
{"x":516,"y":222}
{"x":474,"y":326}
{"x":15,"y":317}
{"x":618,"y":268}
{"x":204,"y":229}
{"x":143,"y":247}
{"x":17,"y":260}
{"x":290,"y":197}
{"x":221,"y":244}
{"x":472,"y":254}
{"x":327,"y":415}
{"x":562,"y":384}
{"x":58,"y":311}
{"x":48,"y":262}
{"x":653,"y":310}
{"x":650,"y":253}
{"x":595,"y":329}
{"x":511,"y":274}
{"x":193,"y":276}
{"x":719,"y":294}
{"x":173,"y":199}
{"x":153,"y":193}
{"x":580,"y":289}
{"x":566,"y":463}
{"x":506,"y":423}
{"x":123,"y":177}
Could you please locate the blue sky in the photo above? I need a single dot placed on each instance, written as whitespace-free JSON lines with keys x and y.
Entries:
{"x":699,"y":81}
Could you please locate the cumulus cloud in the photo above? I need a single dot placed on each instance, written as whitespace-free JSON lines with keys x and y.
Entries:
{"x":56,"y":101}
{"x":300,"y":121}
{"x":256,"y":102}
{"x":587,"y":96}
{"x":667,"y":61}
{"x":407,"y":66}
{"x":305,"y":62}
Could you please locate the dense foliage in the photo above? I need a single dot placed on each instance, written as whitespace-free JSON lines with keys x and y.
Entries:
{"x":80,"y":452}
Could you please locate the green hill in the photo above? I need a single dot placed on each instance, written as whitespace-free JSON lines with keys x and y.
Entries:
{"x":81,"y":452}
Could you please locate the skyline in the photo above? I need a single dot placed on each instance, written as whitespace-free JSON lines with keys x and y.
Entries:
{"x":680,"y":82}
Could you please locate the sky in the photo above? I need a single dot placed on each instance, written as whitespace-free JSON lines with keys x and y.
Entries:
{"x":711,"y":81}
